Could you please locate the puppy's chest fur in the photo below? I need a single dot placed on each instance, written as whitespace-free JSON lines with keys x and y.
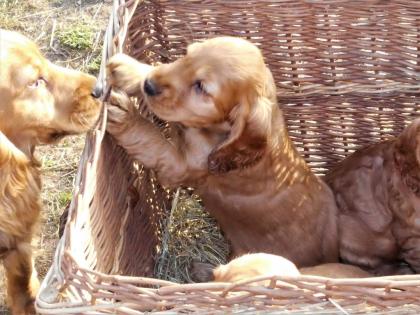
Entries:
{"x":196,"y":144}
{"x":20,"y":203}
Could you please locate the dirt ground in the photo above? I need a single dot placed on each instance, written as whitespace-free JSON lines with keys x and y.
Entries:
{"x":70,"y":33}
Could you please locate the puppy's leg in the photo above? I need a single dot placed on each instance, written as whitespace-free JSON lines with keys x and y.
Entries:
{"x":22,"y":280}
{"x":392,"y":269}
{"x":411,"y":255}
{"x":144,"y":141}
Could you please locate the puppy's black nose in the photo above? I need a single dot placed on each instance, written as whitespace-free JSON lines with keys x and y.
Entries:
{"x":97,"y":90}
{"x":150,"y":88}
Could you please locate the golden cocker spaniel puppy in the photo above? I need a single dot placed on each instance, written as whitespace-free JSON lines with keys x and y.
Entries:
{"x":230,"y":142}
{"x":39,"y":104}
{"x":378,"y":195}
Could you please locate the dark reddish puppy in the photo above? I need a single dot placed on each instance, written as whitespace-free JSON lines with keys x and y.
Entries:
{"x":378,"y":193}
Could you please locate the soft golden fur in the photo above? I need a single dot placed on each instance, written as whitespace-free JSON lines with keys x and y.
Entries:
{"x":260,"y":264}
{"x":39,"y":103}
{"x":245,"y":267}
{"x":378,"y":194}
{"x":230,"y":142}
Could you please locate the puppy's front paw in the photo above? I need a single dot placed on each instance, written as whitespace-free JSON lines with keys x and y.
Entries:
{"x":127,"y":74}
{"x":30,"y":307}
{"x":23,"y":303}
{"x":26,"y":309}
{"x":121,"y":111}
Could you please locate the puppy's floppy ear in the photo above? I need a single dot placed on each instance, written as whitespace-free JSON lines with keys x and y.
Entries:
{"x":407,"y":155}
{"x":247,"y":141}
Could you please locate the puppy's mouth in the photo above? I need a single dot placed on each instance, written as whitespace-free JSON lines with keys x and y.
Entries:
{"x":159,"y":110}
{"x":170,"y":114}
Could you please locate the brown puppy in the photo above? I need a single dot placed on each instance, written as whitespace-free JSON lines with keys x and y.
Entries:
{"x":378,"y":193}
{"x":231,"y":144}
{"x":39,"y":103}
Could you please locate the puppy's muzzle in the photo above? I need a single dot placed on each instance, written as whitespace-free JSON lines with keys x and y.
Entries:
{"x":151,"y":88}
{"x":97,"y":90}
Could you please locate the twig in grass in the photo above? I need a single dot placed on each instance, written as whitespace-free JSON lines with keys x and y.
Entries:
{"x":40,"y":36}
{"x":97,"y":40}
{"x":165,"y":239}
{"x":54,"y":25}
{"x":97,"y":12}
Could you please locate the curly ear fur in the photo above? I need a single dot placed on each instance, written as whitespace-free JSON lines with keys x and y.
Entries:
{"x":407,"y":156}
{"x":247,"y":140}
{"x":246,"y":143}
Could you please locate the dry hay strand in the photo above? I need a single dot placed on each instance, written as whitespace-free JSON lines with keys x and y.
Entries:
{"x":189,"y":234}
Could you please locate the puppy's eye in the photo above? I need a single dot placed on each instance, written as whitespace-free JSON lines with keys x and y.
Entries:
{"x":199,"y":86}
{"x":37,"y":83}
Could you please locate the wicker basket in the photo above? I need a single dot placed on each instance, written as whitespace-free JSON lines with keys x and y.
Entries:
{"x":347,"y":74}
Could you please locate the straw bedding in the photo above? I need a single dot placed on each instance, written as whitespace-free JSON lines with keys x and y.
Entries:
{"x":189,"y":234}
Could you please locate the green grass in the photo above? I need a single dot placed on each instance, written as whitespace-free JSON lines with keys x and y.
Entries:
{"x":10,"y":9}
{"x":64,"y":198}
{"x":48,"y":163}
{"x":95,"y":64}
{"x":77,"y":37}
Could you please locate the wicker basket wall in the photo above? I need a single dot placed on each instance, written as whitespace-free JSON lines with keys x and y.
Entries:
{"x":347,"y":74}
